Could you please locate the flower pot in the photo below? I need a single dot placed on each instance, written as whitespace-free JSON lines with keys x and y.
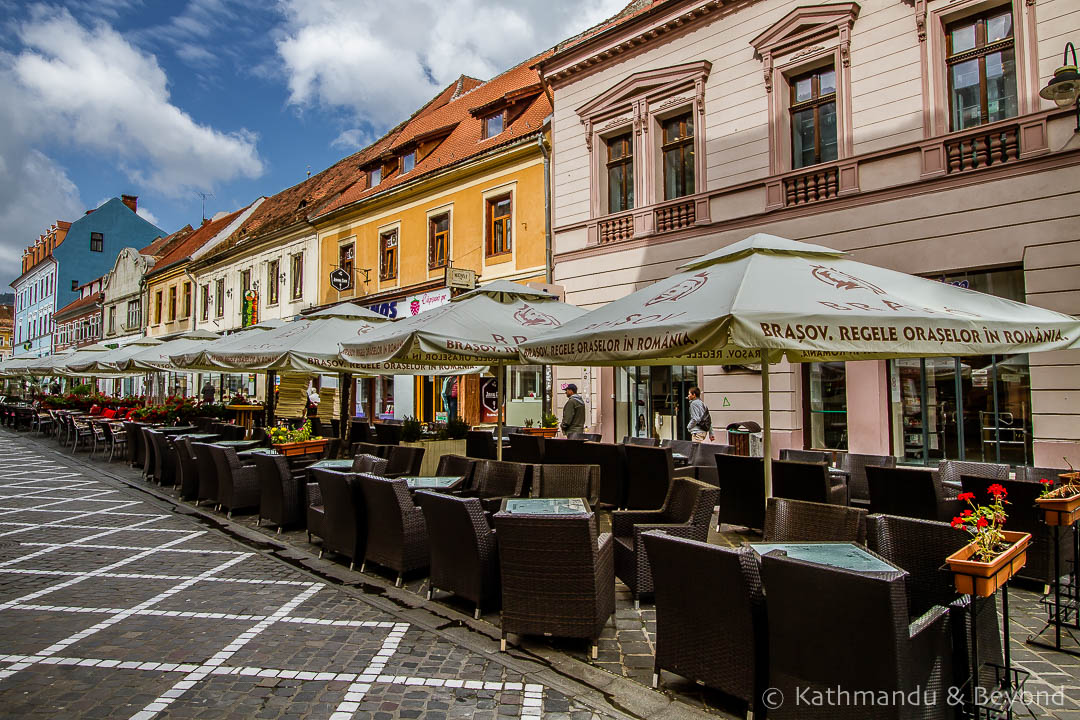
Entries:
{"x":541,"y":431}
{"x":974,"y":577}
{"x":314,"y":446}
{"x":1062,"y":505}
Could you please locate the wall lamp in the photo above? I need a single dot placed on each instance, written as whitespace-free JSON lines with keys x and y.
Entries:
{"x":1064,"y":87}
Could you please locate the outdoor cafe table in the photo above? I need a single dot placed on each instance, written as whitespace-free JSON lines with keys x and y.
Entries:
{"x":177,"y":429}
{"x":843,"y":555}
{"x":343,"y":464}
{"x":199,"y":437}
{"x":545,"y":506}
{"x":438,"y":483}
{"x":238,"y":444}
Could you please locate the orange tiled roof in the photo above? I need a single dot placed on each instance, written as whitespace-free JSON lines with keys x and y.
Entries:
{"x":192,"y":242}
{"x":162,"y":244}
{"x":74,"y":307}
{"x":454,"y":116}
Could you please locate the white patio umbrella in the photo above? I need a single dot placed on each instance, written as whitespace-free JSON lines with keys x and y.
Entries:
{"x":106,"y":362}
{"x":485,"y":325}
{"x":16,"y":367}
{"x":156,"y":357}
{"x":767,"y":297}
{"x":57,"y":364}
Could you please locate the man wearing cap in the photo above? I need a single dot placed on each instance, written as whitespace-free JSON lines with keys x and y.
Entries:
{"x":573,"y":413}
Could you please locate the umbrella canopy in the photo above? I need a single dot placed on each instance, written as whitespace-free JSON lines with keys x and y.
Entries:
{"x":106,"y":362}
{"x":309,"y":344}
{"x":806,"y":302}
{"x":485,"y":326}
{"x":156,"y":358}
{"x":56,"y":364}
{"x":15,"y":367}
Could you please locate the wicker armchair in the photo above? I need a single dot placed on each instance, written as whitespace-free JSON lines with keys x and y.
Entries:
{"x":589,"y":437}
{"x":495,"y":480}
{"x":816,"y":612}
{"x":949,"y":473}
{"x":561,"y":481}
{"x":919,"y":546}
{"x":1035,"y":474}
{"x":369,"y":448}
{"x":855,"y":465}
{"x":715,"y":635}
{"x":525,"y":448}
{"x":557,"y":576}
{"x":207,"y":473}
{"x":397,"y":535}
{"x":164,"y":459}
{"x":648,"y":474}
{"x":909,"y":492}
{"x":683,"y":447}
{"x":464,"y":553}
{"x":742,"y":490}
{"x":404,"y":460}
{"x":685,"y":513}
{"x":365,"y":463}
{"x":808,"y":481}
{"x":238,"y":484}
{"x":279,"y":492}
{"x":610,"y":457}
{"x":800,"y":521}
{"x":188,"y":469}
{"x":480,"y":444}
{"x":148,"y":454}
{"x":337,"y":512}
{"x":134,"y":443}
{"x":387,"y":433}
{"x":702,"y":465}
{"x":640,"y":441}
{"x":564,"y":450}
{"x":457,"y":465}
{"x":1025,"y":516}
{"x":806,"y":456}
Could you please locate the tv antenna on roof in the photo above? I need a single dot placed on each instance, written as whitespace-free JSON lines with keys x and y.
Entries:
{"x":204,"y":195}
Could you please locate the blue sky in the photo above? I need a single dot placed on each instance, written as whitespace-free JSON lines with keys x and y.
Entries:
{"x":167,"y":99}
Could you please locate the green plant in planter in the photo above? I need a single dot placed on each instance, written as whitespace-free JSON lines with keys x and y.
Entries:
{"x":282,"y":435}
{"x":456,"y":429}
{"x":549,"y":420}
{"x":411,"y":429}
{"x":529,"y":422}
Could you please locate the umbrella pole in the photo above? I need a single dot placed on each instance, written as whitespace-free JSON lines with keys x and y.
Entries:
{"x":766,"y":425}
{"x":499,"y":411}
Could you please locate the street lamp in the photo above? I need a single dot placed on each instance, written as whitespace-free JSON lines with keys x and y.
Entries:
{"x":1064,"y":87}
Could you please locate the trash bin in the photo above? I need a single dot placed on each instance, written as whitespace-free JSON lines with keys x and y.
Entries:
{"x":739,"y":434}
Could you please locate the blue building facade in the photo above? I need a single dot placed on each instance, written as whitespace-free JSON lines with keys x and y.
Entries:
{"x":93,"y":242}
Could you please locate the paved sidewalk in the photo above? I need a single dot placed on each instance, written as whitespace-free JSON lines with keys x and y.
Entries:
{"x":112,"y":606}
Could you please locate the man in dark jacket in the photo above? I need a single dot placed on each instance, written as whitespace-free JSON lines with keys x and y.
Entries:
{"x":700,"y":425}
{"x":573,"y":414}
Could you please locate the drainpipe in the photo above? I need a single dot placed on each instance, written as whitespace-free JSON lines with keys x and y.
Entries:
{"x":545,"y":405}
{"x":195,"y":326}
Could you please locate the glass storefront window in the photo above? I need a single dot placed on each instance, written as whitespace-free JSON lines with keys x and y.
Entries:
{"x":971,"y":408}
{"x":825,"y":384}
{"x":651,"y":401}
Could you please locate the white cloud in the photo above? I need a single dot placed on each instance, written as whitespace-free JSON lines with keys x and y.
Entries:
{"x":351,"y":140}
{"x":147,"y":216}
{"x":97,"y":91}
{"x":382,"y":60}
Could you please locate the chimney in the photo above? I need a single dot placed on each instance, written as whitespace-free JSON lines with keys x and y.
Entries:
{"x":132,"y":201}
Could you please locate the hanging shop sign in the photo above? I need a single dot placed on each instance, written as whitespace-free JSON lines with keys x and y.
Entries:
{"x":489,"y":400}
{"x":340,"y":280}
{"x":250,"y":309}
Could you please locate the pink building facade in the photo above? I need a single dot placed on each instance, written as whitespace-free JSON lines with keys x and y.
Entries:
{"x":910,"y":134}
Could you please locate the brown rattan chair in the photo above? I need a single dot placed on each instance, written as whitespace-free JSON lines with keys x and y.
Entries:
{"x":459,"y":465}
{"x":337,"y":512}
{"x":818,"y":619}
{"x":238,"y":484}
{"x":525,"y":448}
{"x":404,"y":460}
{"x":949,"y":473}
{"x":562,"y":481}
{"x":742,"y":490}
{"x":800,"y":521}
{"x":369,"y":448}
{"x":280,"y":499}
{"x":397,"y":535}
{"x":464,"y":554}
{"x":855,"y":465}
{"x":685,"y":513}
{"x":497,"y":479}
{"x":609,"y":456}
{"x":188,"y":469}
{"x":909,"y":492}
{"x":808,"y":481}
{"x":557,"y":576}
{"x":716,"y":634}
{"x":207,"y":473}
{"x":806,"y":456}
{"x":640,"y":441}
{"x":648,"y":474}
{"x":369,"y":464}
{"x":589,"y":437}
{"x":480,"y":444}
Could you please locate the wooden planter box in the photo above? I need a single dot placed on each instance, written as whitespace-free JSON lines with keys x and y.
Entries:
{"x":1060,"y":508}
{"x":435,"y":449}
{"x":541,"y":431}
{"x":973,"y":577}
{"x":315,"y":446}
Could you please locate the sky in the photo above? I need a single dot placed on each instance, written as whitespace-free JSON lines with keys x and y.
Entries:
{"x":186,"y":102}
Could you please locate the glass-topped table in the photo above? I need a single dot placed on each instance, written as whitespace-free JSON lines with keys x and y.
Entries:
{"x":434,"y":482}
{"x":545,"y":506}
{"x":177,"y":429}
{"x":843,"y":555}
{"x":238,"y":444}
{"x":199,"y":437}
{"x":331,"y":465}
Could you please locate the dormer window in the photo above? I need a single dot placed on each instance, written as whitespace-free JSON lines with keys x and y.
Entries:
{"x":493,"y":125}
{"x":408,"y":162}
{"x":375,"y":177}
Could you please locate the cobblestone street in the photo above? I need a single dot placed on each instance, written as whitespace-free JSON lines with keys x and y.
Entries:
{"x":111,"y":606}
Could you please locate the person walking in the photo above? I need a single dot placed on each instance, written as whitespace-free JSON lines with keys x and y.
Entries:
{"x":700,"y":425}
{"x":573,"y":414}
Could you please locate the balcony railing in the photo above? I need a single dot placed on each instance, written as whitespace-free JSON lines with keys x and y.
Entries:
{"x":984,"y":148}
{"x":818,"y":184}
{"x":675,"y":217}
{"x":614,"y":229}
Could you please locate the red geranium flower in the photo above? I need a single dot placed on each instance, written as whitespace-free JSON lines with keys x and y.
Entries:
{"x":957,"y":522}
{"x":966,"y":496}
{"x":1047,"y":481}
{"x":966,"y":513}
{"x":982,"y":522}
{"x":997,"y":490}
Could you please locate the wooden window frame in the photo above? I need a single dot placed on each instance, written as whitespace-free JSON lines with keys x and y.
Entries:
{"x":205,"y":302}
{"x":490,"y":220}
{"x":437,"y":238}
{"x":625,"y":161}
{"x":815,"y":103}
{"x":374,"y":177}
{"x":172,"y":303}
{"x":679,"y":144}
{"x":98,"y":239}
{"x":488,"y":118}
{"x":159,"y":299}
{"x":296,"y":270}
{"x":389,"y":254}
{"x":219,"y":297}
{"x":404,"y":162}
{"x":273,"y":269}
{"x":980,"y":51}
{"x":347,"y":260}
{"x":185,"y":305}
